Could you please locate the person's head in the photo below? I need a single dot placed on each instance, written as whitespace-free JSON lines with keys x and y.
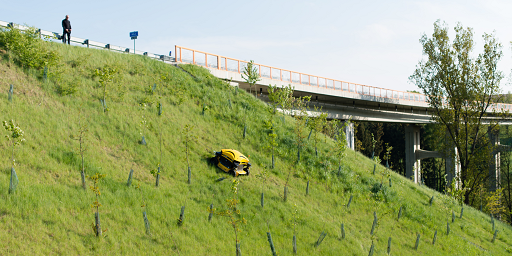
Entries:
{"x":67,"y":17}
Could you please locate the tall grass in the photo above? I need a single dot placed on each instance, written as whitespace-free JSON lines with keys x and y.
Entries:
{"x":50,"y":213}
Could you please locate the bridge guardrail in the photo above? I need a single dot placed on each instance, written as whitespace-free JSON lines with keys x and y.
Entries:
{"x":88,"y":43}
{"x":188,"y":55}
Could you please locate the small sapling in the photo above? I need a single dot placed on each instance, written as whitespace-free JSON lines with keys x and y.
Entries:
{"x":233,"y":214}
{"x":210,"y":214}
{"x":349,"y":201}
{"x":387,"y":155}
{"x":374,"y":142}
{"x":301,"y":117}
{"x":340,"y":142}
{"x":320,"y":239}
{"x":143,"y":124}
{"x":316,"y":124}
{"x":130,"y":176}
{"x":389,"y":245}
{"x":188,"y":137}
{"x":11,"y":91}
{"x":156,"y":173}
{"x":494,"y":236}
{"x":375,"y":222}
{"x":271,"y":243}
{"x":417,"y":242}
{"x":144,"y":207}
{"x":492,"y":222}
{"x":372,"y":248}
{"x":272,"y":135}
{"x":181,"y":219}
{"x":294,"y":221}
{"x":107,"y":76}
{"x":250,"y":74}
{"x":96,"y":204}
{"x":81,"y":137}
{"x":15,"y":136}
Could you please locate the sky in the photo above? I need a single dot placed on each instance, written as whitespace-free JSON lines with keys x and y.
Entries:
{"x":373,"y":43}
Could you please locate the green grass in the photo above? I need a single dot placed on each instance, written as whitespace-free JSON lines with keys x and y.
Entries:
{"x":51,"y":214}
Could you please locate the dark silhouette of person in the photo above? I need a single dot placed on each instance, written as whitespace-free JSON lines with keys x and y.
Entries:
{"x":66,"y":26}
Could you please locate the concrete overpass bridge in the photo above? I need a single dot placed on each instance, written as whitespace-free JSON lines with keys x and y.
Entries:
{"x":348,"y":101}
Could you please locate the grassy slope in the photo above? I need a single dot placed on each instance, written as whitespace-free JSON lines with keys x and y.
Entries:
{"x":51,"y":213}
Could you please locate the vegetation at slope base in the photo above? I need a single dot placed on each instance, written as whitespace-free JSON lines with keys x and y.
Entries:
{"x":50,"y":212}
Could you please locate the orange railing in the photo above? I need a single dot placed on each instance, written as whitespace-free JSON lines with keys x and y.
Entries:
{"x":187,"y":55}
{"x":210,"y":60}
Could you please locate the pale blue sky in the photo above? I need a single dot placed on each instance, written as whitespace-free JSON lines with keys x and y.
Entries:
{"x":368,"y":42}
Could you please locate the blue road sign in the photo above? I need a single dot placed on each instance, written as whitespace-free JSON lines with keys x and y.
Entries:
{"x":134,"y":34}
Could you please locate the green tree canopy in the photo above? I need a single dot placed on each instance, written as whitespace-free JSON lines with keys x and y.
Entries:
{"x":461,"y":88}
{"x":250,"y":74}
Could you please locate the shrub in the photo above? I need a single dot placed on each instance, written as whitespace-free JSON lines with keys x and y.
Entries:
{"x":26,"y":49}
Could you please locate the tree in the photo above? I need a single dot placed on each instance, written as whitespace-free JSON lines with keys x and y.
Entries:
{"x":506,"y":180}
{"x":81,"y":137}
{"x":340,"y":142}
{"x":316,"y":124}
{"x":358,"y":144}
{"x":96,"y":226}
{"x":26,"y":49}
{"x":274,"y":95}
{"x":494,"y":205}
{"x":233,"y":214}
{"x":301,"y":116}
{"x":250,"y":75}
{"x":16,"y":138}
{"x":286,"y":100}
{"x":433,"y":169}
{"x":461,"y":90}
{"x":370,"y":136}
{"x":107,"y":75}
{"x":188,"y":137}
{"x":143,"y":124}
{"x":387,"y":155}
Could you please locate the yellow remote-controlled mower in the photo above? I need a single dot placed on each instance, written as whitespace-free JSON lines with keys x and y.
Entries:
{"x":231,"y":161}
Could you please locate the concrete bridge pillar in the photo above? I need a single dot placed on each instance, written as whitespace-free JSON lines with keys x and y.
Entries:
{"x":412,"y":143}
{"x":414,"y":154}
{"x":494,"y":165}
{"x":349,"y":133}
{"x":452,"y":164}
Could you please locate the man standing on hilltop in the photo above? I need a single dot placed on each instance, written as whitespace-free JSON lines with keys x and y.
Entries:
{"x":66,"y":26}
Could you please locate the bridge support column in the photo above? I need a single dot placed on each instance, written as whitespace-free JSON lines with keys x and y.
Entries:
{"x":349,"y":133}
{"x":494,"y":166}
{"x":452,"y":165}
{"x":412,"y":143}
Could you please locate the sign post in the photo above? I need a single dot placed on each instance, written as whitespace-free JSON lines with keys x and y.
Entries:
{"x":134,"y":36}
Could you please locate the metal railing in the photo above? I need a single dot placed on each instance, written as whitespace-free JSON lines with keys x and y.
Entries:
{"x":188,"y":55}
{"x":87,"y":43}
